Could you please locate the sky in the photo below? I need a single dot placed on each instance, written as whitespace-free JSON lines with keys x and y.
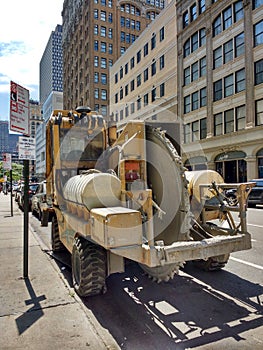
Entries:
{"x":25,"y":28}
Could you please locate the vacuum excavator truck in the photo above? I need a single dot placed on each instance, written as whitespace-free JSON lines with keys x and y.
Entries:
{"x":124,"y":194}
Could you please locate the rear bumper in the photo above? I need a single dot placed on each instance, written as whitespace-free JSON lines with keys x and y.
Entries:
{"x":186,"y":250}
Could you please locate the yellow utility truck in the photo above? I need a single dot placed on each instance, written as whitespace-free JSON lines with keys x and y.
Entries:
{"x":125,"y":194}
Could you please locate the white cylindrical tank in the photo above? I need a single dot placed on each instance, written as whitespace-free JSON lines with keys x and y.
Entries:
{"x":94,"y":190}
{"x":202,"y":177}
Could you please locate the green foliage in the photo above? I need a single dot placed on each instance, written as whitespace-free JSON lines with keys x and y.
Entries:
{"x":17,"y":171}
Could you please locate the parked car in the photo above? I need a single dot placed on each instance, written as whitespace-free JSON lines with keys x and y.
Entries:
{"x":255,"y":196}
{"x":39,"y":206}
{"x":31,"y":191}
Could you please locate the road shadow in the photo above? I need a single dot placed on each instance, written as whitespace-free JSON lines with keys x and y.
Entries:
{"x":180,"y":314}
{"x":27,"y":319}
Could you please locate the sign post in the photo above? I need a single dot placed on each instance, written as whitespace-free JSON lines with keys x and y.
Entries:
{"x":27,"y":150}
{"x":19,"y":122}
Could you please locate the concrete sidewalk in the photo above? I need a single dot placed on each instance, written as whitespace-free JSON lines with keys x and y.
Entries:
{"x":40,"y":312}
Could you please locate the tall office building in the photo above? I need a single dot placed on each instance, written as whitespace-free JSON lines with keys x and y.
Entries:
{"x":50,"y":91}
{"x":51,"y":66}
{"x":205,"y":70}
{"x":95,"y":34}
{"x":8,"y":142}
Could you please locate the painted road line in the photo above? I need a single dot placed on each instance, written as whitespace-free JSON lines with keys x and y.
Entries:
{"x":247,"y":263}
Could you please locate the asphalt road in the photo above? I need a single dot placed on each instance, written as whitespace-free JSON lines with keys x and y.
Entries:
{"x":196,"y":310}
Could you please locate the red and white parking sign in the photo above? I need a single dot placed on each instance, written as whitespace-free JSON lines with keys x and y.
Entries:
{"x":19,"y":109}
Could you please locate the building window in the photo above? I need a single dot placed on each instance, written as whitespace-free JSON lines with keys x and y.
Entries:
{"x":218,"y":93}
{"x":187,"y":133}
{"x":257,"y":3}
{"x":153,"y":42}
{"x":194,"y":42}
{"x":132,"y":85}
{"x":228,"y":51}
{"x":96,"y":29}
{"x":195,"y":131}
{"x":139,"y":103}
{"x":145,"y":49}
{"x":110,"y":49}
{"x":203,"y":128}
{"x":116,"y":98}
{"x":121,"y":73}
{"x":240,"y":80}
{"x":259,"y":72}
{"x":217,"y":26}
{"x":228,"y":85}
{"x":110,"y":33}
{"x":126,"y":111}
{"x":103,"y":31}
{"x":162,"y":34}
{"x":162,"y":90}
{"x":201,"y":6}
{"x":103,"y":78}
{"x":194,"y":71}
{"x":145,"y":100}
{"x":132,"y":62}
{"x":96,"y":93}
{"x":258,"y":33}
{"x":104,"y":94}
{"x":110,"y":17}
{"x":153,"y":93}
{"x":202,"y":37}
{"x":96,"y":77}
{"x":259,"y":112}
{"x":227,"y":18}
{"x":132,"y":107}
{"x":139,"y":80}
{"x":218,"y":57}
{"x":240,"y":118}
{"x":103,"y":16}
{"x":145,"y":74}
{"x":239,"y":44}
{"x":96,"y":61}
{"x":153,"y":68}
{"x":203,"y":97}
{"x":187,"y":48}
{"x":238,"y":11}
{"x":138,"y":56}
{"x":103,"y":63}
{"x":185,"y":19}
{"x":96,"y":45}
{"x":122,"y":21}
{"x":229,"y":121}
{"x":126,"y":90}
{"x":218,"y":124}
{"x":187,"y":77}
{"x":161,"y":62}
{"x":96,"y":14}
{"x":193,"y":13}
{"x":187,"y":104}
{"x":121,"y":93}
{"x":103,"y":47}
{"x":195,"y":101}
{"x":202,"y":68}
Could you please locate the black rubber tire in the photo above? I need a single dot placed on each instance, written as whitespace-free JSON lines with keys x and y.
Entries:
{"x":214,"y":263}
{"x":44,"y":217}
{"x":57,"y":245}
{"x":88,"y":268}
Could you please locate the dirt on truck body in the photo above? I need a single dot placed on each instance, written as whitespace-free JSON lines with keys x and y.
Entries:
{"x":125,"y":194}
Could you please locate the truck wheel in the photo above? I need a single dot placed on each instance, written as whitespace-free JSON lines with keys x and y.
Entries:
{"x":214,"y":263}
{"x":57,"y":245}
{"x":88,"y":268}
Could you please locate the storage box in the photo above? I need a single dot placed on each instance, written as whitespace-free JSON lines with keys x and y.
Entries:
{"x":116,"y":227}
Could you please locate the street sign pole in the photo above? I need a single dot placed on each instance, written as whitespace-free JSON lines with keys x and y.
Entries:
{"x":26,"y":205}
{"x":11,"y":191}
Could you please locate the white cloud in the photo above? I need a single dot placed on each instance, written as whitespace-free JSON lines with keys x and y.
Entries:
{"x":25,"y":27}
